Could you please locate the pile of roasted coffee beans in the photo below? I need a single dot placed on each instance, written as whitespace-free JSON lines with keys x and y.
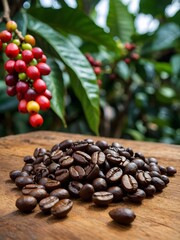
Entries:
{"x":91,"y":171}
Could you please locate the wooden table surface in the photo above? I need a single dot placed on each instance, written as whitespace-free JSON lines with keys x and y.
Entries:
{"x":156,"y":218}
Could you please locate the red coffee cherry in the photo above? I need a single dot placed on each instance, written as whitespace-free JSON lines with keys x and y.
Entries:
{"x":27,"y":56}
{"x":11,"y":26}
{"x":5,"y":36}
{"x":39,"y":85}
{"x":135,"y":56}
{"x":127,"y":60}
{"x":10,"y":66}
{"x":19,"y":96}
{"x":12,"y":50}
{"x":43,"y":68}
{"x":43,"y":59}
{"x":97,"y":70}
{"x":22,"y":87}
{"x":47,"y":94}
{"x":36,"y":120}
{"x":43,"y":101}
{"x":31,"y":94}
{"x":33,"y":107}
{"x":30,"y":39}
{"x":37,"y":52}
{"x":33,"y":72}
{"x":11,"y":91}
{"x":22,"y":106}
{"x":20,"y":66}
{"x":11,"y":80}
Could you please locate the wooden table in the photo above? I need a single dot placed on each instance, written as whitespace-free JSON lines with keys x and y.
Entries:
{"x":156,"y":218}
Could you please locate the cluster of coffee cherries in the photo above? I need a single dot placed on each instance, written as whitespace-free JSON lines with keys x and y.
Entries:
{"x":97,"y":67}
{"x":131,"y":54}
{"x":25,"y":67}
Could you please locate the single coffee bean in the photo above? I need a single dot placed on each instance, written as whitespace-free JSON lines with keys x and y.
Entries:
{"x":65,"y":144}
{"x":14,"y":174}
{"x":150,"y":190}
{"x":123,"y":216}
{"x":114,"y":160}
{"x":26,"y":203}
{"x":53,"y":167}
{"x":102,"y":198}
{"x":99,"y":184}
{"x":130,"y":151}
{"x":155,"y":174}
{"x":153,"y":160}
{"x":124,"y":153}
{"x":86,"y":192}
{"x":38,"y":152}
{"x":76,"y":172}
{"x":139,"y":155}
{"x":91,"y":172}
{"x":117,"y":193}
{"x":79,"y":146}
{"x":165,"y":179}
{"x":61,"y":193}
{"x":131,"y":168}
{"x":47,"y":203}
{"x":29,"y":159}
{"x":113,"y":151}
{"x":28,"y":188}
{"x":56,"y":155}
{"x":39,"y":194}
{"x":129,"y":183}
{"x":23,"y":181}
{"x":102,"y":144}
{"x":51,"y":185}
{"x":91,"y":148}
{"x":171,"y":171}
{"x":28,"y":167}
{"x":81,"y":158}
{"x":139,"y":162}
{"x":98,"y":158}
{"x":74,"y":188}
{"x":155,"y":167}
{"x":101,"y":174}
{"x":114,"y":174}
{"x":62,"y":175}
{"x":43,"y":181}
{"x":116,"y":144}
{"x":62,"y":208}
{"x":143,"y":178}
{"x":163,"y":170}
{"x":158,"y":183}
{"x":66,"y":161}
{"x":138,"y":196}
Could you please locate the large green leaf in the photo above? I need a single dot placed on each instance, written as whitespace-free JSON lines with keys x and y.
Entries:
{"x":166,"y":37}
{"x":74,"y":22}
{"x":120,"y":21}
{"x":55,"y":84}
{"x":83,"y":76}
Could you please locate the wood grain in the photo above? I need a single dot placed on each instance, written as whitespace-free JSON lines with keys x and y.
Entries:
{"x":156,"y":218}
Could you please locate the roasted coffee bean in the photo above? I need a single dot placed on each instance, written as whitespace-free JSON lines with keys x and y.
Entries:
{"x":65,"y":144}
{"x":61,"y":193}
{"x":53,"y":167}
{"x":155,"y":168}
{"x":62,"y":208}
{"x":46,"y":160}
{"x":38,"y":193}
{"x":153,"y":160}
{"x":139,"y":155}
{"x":123,"y":216}
{"x":51,"y":176}
{"x":146,"y":167}
{"x":26,"y":203}
{"x":124,"y":153}
{"x":154,"y":174}
{"x":101,"y":174}
{"x":23,"y":181}
{"x":129,"y":183}
{"x":143,"y":178}
{"x":124,"y":162}
{"x":28,"y":188}
{"x":158,"y":183}
{"x":116,"y":144}
{"x":150,"y":190}
{"x":66,"y":161}
{"x":131,"y":168}
{"x":139,"y":162}
{"x":102,"y":144}
{"x":74,"y":188}
{"x":14,"y":174}
{"x":117,"y":193}
{"x":81,"y":158}
{"x":165,"y":179}
{"x":112,"y":152}
{"x":114,"y":160}
{"x":89,"y":140}
{"x":162,"y":170}
{"x":38,"y":152}
{"x":40,"y":173}
{"x":54,"y":148}
{"x":47,"y":203}
{"x":29,"y":159}
{"x":91,"y":148}
{"x":86,"y":192}
{"x":102,"y":198}
{"x":76,"y":172}
{"x":106,"y":166}
{"x":62,"y":175}
{"x":114,"y":174}
{"x":130,"y":151}
{"x":138,"y":196}
{"x":99,"y":184}
{"x":51,"y":185}
{"x":79,"y":146}
{"x":38,"y":160}
{"x":98,"y":158}
{"x":91,"y":172}
{"x":171,"y":171}
{"x":56,"y":155}
{"x":43,"y":181}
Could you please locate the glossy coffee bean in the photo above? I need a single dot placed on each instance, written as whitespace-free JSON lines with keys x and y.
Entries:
{"x":150,"y":190}
{"x":114,"y":174}
{"x":81,"y":158}
{"x":123,"y":216}
{"x":131,"y":168}
{"x":74,"y":188}
{"x":47,"y":203}
{"x":51,"y":185}
{"x":98,"y":157}
{"x":129,"y":183}
{"x":76,"y":172}
{"x":99,"y":184}
{"x":39,"y":194}
{"x":14,"y":174}
{"x":86,"y":192}
{"x":62,"y":208}
{"x":117,"y":193}
{"x":26,"y":203}
{"x":102,"y":198}
{"x":23,"y":181}
{"x":102,"y":144}
{"x":28,"y":188}
{"x":62,"y":175}
{"x":65,"y":144}
{"x":61,"y":193}
{"x":143,"y":178}
{"x":91,"y":172}
{"x":158,"y":183}
{"x":66,"y":161}
{"x":138,"y":196}
{"x":165,"y":179}
{"x":171,"y":171}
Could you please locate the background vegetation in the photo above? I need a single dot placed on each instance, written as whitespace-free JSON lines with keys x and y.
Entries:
{"x":137,"y":100}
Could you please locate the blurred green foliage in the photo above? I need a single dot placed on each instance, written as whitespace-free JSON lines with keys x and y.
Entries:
{"x":139,"y":100}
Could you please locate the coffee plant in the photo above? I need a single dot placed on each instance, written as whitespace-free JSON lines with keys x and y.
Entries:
{"x":72,"y":75}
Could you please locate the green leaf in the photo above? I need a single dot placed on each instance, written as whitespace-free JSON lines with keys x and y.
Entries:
{"x":55,"y":84}
{"x":175,"y":62}
{"x":153,"y":7}
{"x":136,"y":135}
{"x":166,"y":37}
{"x":120,"y":21}
{"x":166,"y":94}
{"x":74,"y":22}
{"x":21,"y":19}
{"x":84,"y":80}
